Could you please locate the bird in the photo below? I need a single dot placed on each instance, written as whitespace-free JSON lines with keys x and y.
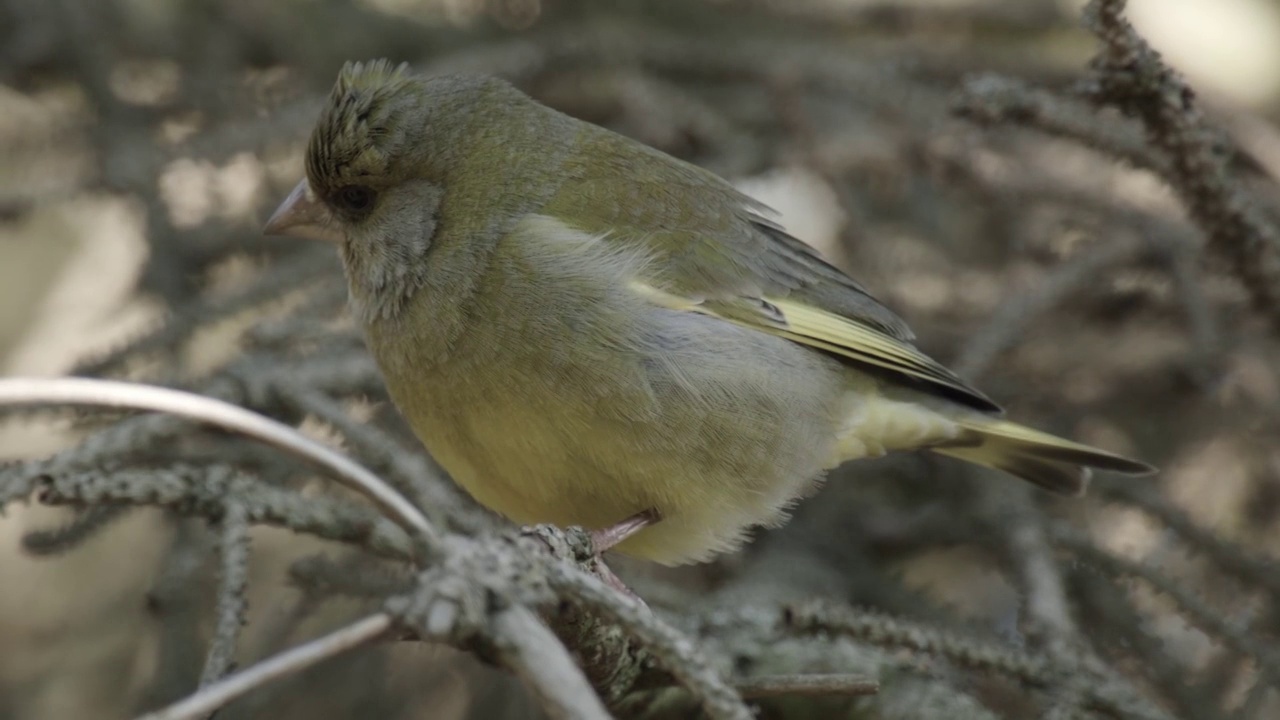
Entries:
{"x":585,"y":331}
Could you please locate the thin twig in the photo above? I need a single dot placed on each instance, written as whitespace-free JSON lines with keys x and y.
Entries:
{"x":1032,"y":669}
{"x":201,"y":491}
{"x":233,"y":545}
{"x":87,"y":523}
{"x":110,"y":393}
{"x":1021,"y":526}
{"x":1106,"y":604}
{"x":1017,"y":314}
{"x":884,"y":631}
{"x":807,"y":685}
{"x":288,"y":275}
{"x":1233,"y":634}
{"x":538,"y":658}
{"x":1130,"y":75}
{"x":212,"y":697}
{"x":1245,"y":563}
{"x":990,"y":99}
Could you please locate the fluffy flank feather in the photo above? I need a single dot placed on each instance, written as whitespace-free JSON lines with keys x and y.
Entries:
{"x":1050,"y":462}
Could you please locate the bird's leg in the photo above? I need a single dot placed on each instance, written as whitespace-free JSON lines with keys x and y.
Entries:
{"x":607,"y":538}
{"x":610,"y":537}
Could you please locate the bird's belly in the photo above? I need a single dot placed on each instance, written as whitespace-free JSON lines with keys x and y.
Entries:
{"x":579,"y":402}
{"x":593,"y":471}
{"x":577,"y":445}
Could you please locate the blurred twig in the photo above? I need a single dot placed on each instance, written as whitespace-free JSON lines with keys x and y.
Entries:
{"x":220,"y":693}
{"x":233,"y":546}
{"x":1130,"y":75}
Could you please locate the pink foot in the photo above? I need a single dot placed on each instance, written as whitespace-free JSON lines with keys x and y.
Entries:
{"x":610,"y":537}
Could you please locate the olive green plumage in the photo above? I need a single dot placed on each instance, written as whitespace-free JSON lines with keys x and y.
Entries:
{"x":580,"y":328}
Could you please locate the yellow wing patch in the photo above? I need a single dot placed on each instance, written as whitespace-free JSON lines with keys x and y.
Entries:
{"x":825,"y":331}
{"x":818,"y":328}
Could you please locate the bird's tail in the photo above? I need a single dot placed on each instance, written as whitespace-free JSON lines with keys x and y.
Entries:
{"x":1051,"y":462}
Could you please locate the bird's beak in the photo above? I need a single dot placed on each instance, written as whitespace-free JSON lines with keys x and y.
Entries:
{"x":302,"y":215}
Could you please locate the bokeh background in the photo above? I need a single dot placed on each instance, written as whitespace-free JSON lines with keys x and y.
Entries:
{"x":143,"y":143}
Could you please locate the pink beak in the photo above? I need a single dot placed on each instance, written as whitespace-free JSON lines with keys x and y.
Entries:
{"x":302,"y":215}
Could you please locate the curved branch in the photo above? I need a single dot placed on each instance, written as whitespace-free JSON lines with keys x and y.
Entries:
{"x":220,"y":693}
{"x":136,"y":396}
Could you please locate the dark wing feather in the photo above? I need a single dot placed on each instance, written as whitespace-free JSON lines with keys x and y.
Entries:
{"x":722,"y":256}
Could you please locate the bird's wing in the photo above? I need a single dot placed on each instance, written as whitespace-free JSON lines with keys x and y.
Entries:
{"x":715,"y":252}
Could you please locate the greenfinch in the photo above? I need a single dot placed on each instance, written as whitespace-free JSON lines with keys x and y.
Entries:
{"x":583,"y":330}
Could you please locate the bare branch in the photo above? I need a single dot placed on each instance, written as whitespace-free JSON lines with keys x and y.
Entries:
{"x":110,"y":393}
{"x":233,"y":545}
{"x":1246,"y":564}
{"x":538,"y":657}
{"x":214,"y":696}
{"x":801,"y":685}
{"x":87,"y":523}
{"x":1130,"y":75}
{"x":990,"y":99}
{"x":1013,"y":318}
{"x":1233,"y":633}
{"x":201,"y":491}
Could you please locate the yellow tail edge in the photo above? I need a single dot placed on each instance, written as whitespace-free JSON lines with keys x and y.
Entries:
{"x":1053,"y":463}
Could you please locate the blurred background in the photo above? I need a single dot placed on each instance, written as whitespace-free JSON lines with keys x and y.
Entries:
{"x":144,"y":142}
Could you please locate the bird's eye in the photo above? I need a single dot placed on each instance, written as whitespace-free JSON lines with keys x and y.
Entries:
{"x":355,"y":198}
